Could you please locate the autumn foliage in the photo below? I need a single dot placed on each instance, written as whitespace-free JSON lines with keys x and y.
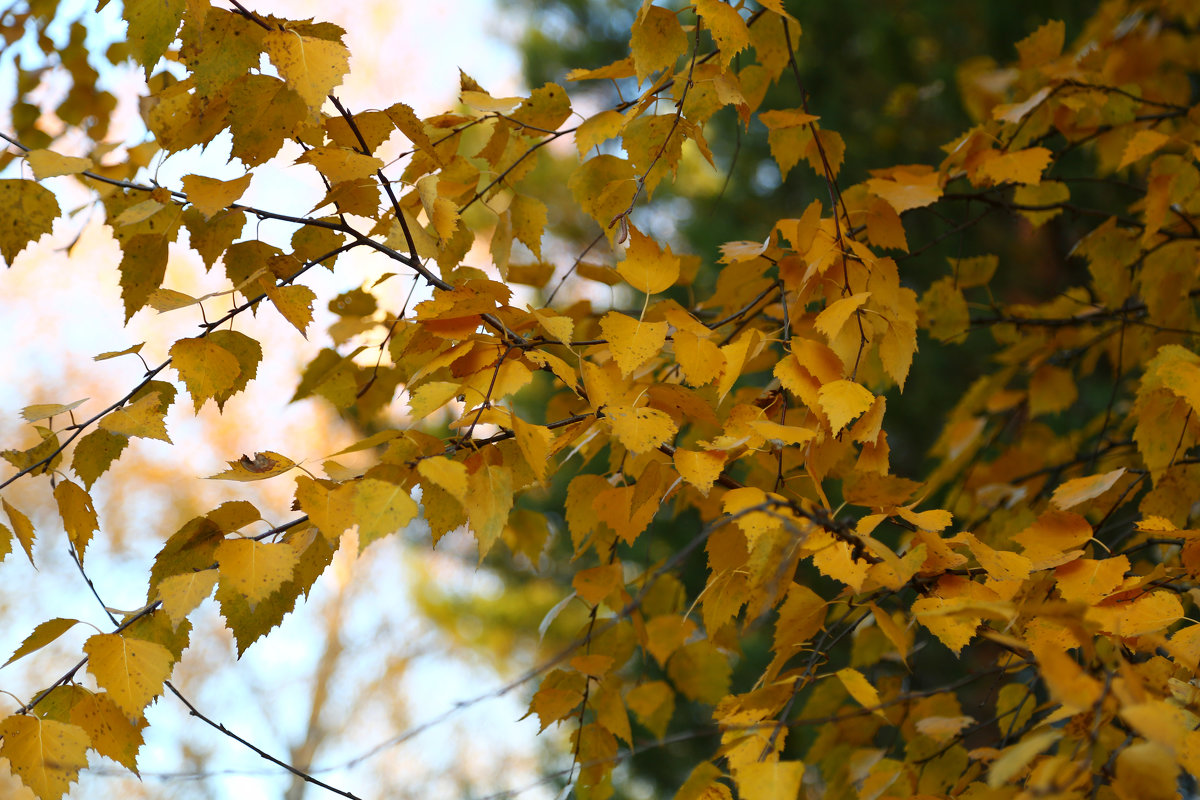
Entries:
{"x":1010,"y":622}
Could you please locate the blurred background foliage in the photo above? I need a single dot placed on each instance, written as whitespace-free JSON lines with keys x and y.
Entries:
{"x":885,"y":74}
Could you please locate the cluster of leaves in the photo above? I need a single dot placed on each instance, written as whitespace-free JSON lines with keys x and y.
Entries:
{"x":1048,"y":546}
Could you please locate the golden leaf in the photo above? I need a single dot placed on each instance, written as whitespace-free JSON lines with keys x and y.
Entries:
{"x":657,"y":42}
{"x":132,"y":671}
{"x":206,"y":368}
{"x":640,"y":429}
{"x":254,"y":569}
{"x":842,"y":401}
{"x":210,"y":195}
{"x":647,"y":268}
{"x":770,"y":780}
{"x":1079,"y":490}
{"x":48,"y":164}
{"x":181,"y":594}
{"x":46,"y":755}
{"x":633,"y":341}
{"x":311,"y":66}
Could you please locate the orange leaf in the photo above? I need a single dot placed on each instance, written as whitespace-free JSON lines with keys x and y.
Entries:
{"x":1079,"y":490}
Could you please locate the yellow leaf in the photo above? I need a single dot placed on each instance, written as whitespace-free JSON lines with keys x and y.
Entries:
{"x":1050,"y":195}
{"x":1023,"y":166}
{"x":953,"y":629}
{"x":45,"y":633}
{"x":884,"y":227}
{"x":1142,"y":144}
{"x":907,"y":187}
{"x":595,"y":584}
{"x":699,"y":358}
{"x":379,"y":507}
{"x":78,"y":514}
{"x":1065,"y":679}
{"x":834,"y":317}
{"x":609,"y":708}
{"x":1018,"y":756}
{"x":41,"y":411}
{"x":842,"y":401}
{"x":657,"y":41}
{"x":534,"y":442}
{"x":594,"y":666}
{"x":1147,"y":613}
{"x":640,"y":429}
{"x":1079,"y":490}
{"x":1053,"y":534}
{"x":700,"y":671}
{"x":801,"y":616}
{"x":735,"y":355}
{"x":976,"y":271}
{"x":652,"y":703}
{"x":22,"y":527}
{"x":114,"y":353}
{"x":310,"y":66}
{"x":181,"y":594}
{"x":559,"y":326}
{"x":439,"y":210}
{"x":145,"y":417}
{"x":47,"y":164}
{"x":633,"y":342}
{"x":943,"y":728}
{"x":786,"y":118}
{"x":264,"y":465}
{"x":944,"y":310}
{"x":293,"y":302}
{"x":29,"y":210}
{"x":210,"y":195}
{"x":783,"y":434}
{"x":46,"y":755}
{"x":598,"y":129}
{"x":254,"y":569}
{"x":1042,"y":45}
{"x":449,"y":474}
{"x":1000,"y":564}
{"x":529,"y":217}
{"x":770,"y":780}
{"x":900,"y":637}
{"x":331,"y":510}
{"x":699,"y":468}
{"x":339,"y":164}
{"x":206,"y":368}
{"x":546,"y":109}
{"x":727,"y":27}
{"x":152,"y":27}
{"x":132,"y":671}
{"x":491,"y":498}
{"x":111,"y":734}
{"x":553,"y":703}
{"x":430,"y":397}
{"x":645,"y":267}
{"x":1147,"y":771}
